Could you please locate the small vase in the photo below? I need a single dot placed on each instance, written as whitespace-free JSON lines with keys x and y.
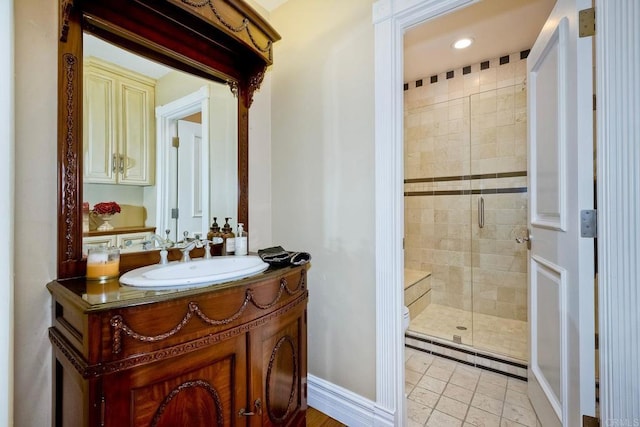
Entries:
{"x":105,"y":226}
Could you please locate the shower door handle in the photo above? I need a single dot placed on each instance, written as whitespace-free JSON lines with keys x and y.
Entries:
{"x":526,"y":238}
{"x":481,"y":212}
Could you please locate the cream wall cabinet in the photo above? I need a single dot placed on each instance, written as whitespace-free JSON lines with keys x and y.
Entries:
{"x":127,"y":242}
{"x":132,"y":242}
{"x":119,"y":125}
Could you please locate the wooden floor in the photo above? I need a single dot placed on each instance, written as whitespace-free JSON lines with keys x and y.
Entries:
{"x":316,"y":418}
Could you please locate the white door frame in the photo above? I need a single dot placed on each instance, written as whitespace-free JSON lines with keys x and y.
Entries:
{"x":392,"y":18}
{"x":166,"y":118}
{"x":618,"y":171}
{"x":7,"y":190}
{"x":618,"y":253}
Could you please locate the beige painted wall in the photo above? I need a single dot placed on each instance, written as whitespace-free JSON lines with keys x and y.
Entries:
{"x":322,"y":179}
{"x":322,"y":109}
{"x":35,"y":205}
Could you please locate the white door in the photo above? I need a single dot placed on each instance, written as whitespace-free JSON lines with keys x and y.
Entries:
{"x":561,"y":268}
{"x":190,"y":179}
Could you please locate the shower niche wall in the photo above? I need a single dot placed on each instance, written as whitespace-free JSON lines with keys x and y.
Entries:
{"x":465,"y":204}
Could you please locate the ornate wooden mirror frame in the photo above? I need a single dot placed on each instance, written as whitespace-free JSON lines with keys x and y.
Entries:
{"x":221,"y":40}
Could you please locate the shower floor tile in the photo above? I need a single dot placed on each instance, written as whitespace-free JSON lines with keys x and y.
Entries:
{"x":484,"y":332}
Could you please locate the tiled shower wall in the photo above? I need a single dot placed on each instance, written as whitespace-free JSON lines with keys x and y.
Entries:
{"x":465,"y":139}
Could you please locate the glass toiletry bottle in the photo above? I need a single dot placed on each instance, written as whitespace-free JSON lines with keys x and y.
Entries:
{"x":229,"y":245}
{"x":241,"y":240}
{"x":215,"y":237}
{"x":212,"y":230}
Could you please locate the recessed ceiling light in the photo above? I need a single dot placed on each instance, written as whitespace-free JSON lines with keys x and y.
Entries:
{"x":463,"y":43}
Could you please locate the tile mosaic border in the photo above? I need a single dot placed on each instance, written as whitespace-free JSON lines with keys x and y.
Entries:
{"x":466,"y":192}
{"x":484,"y":65}
{"x":466,"y":177}
{"x":478,"y":359}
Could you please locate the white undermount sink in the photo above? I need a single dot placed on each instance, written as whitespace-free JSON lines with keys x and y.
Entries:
{"x":198,"y":272}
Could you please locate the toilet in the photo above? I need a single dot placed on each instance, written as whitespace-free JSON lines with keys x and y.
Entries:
{"x":405,"y":318}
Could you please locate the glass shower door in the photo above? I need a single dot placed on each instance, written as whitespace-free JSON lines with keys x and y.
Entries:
{"x":499,"y":196}
{"x":437,"y":220}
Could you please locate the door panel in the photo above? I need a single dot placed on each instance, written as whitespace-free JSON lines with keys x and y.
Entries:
{"x":561,"y":263}
{"x":190,"y":178}
{"x":546,"y":200}
{"x":280,"y":383}
{"x":205,"y":388}
{"x":136,"y":134}
{"x":547,"y":282}
{"x":98,"y":144}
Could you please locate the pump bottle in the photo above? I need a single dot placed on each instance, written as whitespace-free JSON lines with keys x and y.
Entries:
{"x":241,"y":240}
{"x":229,"y":239}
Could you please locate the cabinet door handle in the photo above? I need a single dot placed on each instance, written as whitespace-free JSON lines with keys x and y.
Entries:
{"x":257,"y":410}
{"x":122,"y":164}
{"x":114,"y":163}
{"x":481,"y":212}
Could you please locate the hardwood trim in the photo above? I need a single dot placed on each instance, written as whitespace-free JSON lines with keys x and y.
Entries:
{"x":175,"y":33}
{"x":69,"y":143}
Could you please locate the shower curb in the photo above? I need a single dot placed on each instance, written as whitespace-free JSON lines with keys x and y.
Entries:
{"x":472,"y":357}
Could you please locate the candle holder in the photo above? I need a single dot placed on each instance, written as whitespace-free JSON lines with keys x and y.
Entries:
{"x":103,"y":263}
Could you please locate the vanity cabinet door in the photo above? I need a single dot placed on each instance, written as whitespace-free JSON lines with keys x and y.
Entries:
{"x":280,"y":377}
{"x":203,"y":388}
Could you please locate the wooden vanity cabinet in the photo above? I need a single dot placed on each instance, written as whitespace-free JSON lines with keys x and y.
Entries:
{"x":226,"y":355}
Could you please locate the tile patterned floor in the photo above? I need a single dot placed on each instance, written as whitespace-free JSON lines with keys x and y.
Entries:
{"x":443,"y":393}
{"x":484,"y":332}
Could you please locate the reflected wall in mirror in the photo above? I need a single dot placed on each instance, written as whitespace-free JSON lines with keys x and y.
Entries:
{"x":133,"y":110}
{"x":225,"y":42}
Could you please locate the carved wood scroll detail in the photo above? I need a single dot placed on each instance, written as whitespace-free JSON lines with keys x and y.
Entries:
{"x":65,"y":12}
{"x":285,"y":339}
{"x":71,"y":158}
{"x":119,"y":326}
{"x":191,"y":384}
{"x":244,"y":25}
{"x":254,"y":84}
{"x":93,"y":371}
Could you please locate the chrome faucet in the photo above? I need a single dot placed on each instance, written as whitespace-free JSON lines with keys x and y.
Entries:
{"x":163,"y":244}
{"x":196,"y":243}
{"x":188,"y":247}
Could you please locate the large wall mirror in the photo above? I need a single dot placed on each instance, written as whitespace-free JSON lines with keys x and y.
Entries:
{"x":133,"y":110}
{"x":153,"y":115}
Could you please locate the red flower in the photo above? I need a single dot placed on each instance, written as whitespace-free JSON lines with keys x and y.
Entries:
{"x":108,"y":208}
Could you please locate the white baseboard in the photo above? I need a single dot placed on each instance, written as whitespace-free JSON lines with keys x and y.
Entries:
{"x":345,"y":406}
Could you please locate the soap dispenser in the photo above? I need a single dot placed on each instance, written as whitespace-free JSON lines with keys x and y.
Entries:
{"x":229,"y":238}
{"x":214,"y":231}
{"x":241,"y":240}
{"x":215,"y":237}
